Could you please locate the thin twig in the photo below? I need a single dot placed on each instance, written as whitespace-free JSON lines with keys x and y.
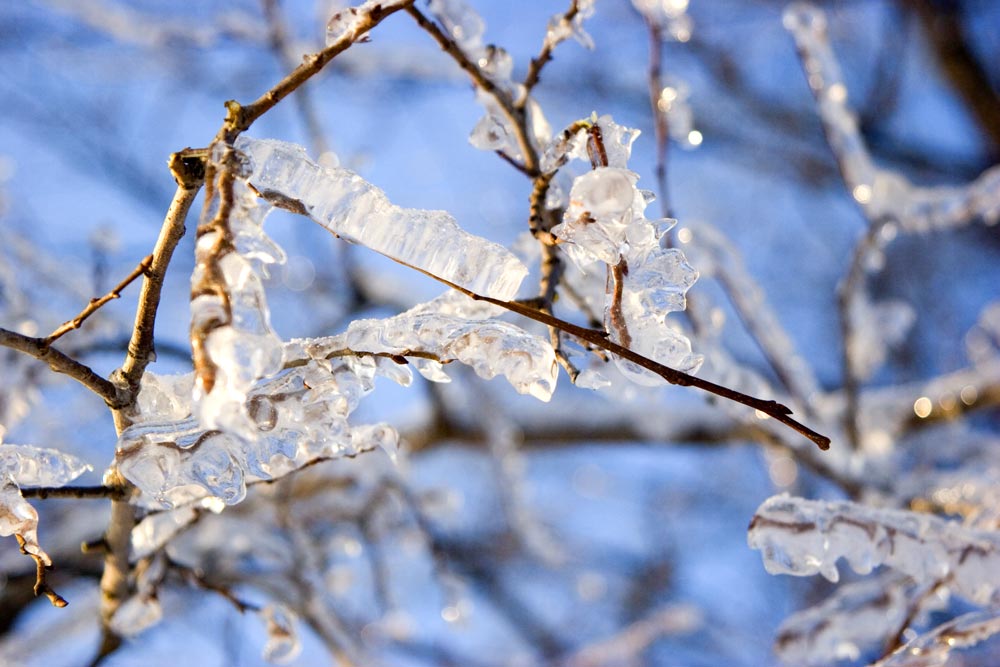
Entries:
{"x":41,"y":585}
{"x":545,"y":55}
{"x":278,"y":37}
{"x":78,"y":492}
{"x":188,"y":169}
{"x":96,"y":303}
{"x":60,"y":362}
{"x":773,"y":409}
{"x":240,"y":117}
{"x":660,"y":122}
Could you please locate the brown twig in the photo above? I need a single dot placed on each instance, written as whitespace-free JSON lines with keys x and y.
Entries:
{"x":78,"y":492}
{"x":41,"y":585}
{"x":96,"y":303}
{"x":773,"y":409}
{"x":188,"y":169}
{"x":60,"y":362}
{"x":661,"y":126}
{"x":240,"y":117}
{"x":616,"y":287}
{"x":278,"y":37}
{"x":545,"y":55}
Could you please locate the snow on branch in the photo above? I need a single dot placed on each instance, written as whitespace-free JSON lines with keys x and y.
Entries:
{"x":805,"y":537}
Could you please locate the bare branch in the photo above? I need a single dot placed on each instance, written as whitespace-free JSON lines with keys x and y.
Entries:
{"x":545,"y":55}
{"x":63,"y":363}
{"x":96,"y":303}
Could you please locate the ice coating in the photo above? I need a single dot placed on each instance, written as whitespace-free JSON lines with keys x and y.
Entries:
{"x":234,"y":344}
{"x":356,"y":210}
{"x":447,"y":329}
{"x":18,"y":517}
{"x":298,"y":415}
{"x":157,"y":529}
{"x":806,"y":537}
{"x":605,"y":222}
{"x":38,"y":466}
{"x":857,"y":617}
{"x":880,"y":192}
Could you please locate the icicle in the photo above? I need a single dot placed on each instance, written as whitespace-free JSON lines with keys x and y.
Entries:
{"x":39,"y":466}
{"x":157,"y":529}
{"x":352,"y":208}
{"x":18,"y":517}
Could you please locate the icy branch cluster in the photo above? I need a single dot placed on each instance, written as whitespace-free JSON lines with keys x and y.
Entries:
{"x":806,"y":537}
{"x":25,"y":465}
{"x":604,"y":222}
{"x":934,"y":648}
{"x":265,"y":408}
{"x":883,"y":194}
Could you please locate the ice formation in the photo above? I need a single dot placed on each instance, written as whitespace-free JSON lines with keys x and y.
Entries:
{"x":604,"y":222}
{"x":357,"y":211}
{"x":934,"y":648}
{"x":452,"y":327}
{"x":344,"y":23}
{"x":298,"y":415}
{"x":881,"y":193}
{"x":806,"y":537}
{"x":25,"y":465}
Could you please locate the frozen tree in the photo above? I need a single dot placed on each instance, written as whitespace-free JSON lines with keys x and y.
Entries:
{"x":513,"y":398}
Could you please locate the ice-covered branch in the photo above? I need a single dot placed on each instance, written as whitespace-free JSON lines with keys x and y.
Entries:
{"x":32,"y":466}
{"x":347,"y":205}
{"x":561,"y":27}
{"x":806,"y":537}
{"x":933,"y":648}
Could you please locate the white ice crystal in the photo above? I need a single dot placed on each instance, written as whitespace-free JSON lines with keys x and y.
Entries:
{"x":806,"y":537}
{"x":39,"y":466}
{"x":136,"y":614}
{"x":298,"y":415}
{"x":158,"y":528}
{"x":670,"y":16}
{"x":857,"y":617}
{"x":25,"y":465}
{"x":356,"y":210}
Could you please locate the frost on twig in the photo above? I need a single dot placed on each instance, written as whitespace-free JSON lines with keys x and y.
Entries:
{"x":882,"y":194}
{"x":359,"y":212}
{"x":451,"y":327}
{"x":806,"y":537}
{"x":934,"y":648}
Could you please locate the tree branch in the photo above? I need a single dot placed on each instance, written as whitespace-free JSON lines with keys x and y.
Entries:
{"x":63,"y":363}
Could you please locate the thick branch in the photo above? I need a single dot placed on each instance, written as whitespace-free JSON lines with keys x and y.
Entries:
{"x":62,"y":363}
